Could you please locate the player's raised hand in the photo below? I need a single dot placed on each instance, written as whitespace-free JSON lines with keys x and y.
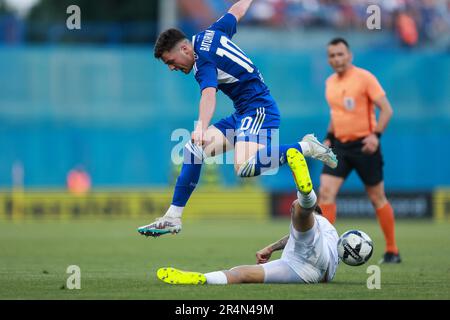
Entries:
{"x":263,"y":255}
{"x":370,"y":144}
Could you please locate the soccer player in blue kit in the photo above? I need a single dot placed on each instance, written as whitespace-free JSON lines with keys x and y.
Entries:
{"x":219,"y":64}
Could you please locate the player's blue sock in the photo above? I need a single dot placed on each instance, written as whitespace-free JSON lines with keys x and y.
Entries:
{"x":263,"y":160}
{"x":189,"y":175}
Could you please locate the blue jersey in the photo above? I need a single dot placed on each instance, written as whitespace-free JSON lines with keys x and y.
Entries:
{"x":221,"y":64}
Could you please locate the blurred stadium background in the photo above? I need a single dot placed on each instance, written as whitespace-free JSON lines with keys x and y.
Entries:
{"x":87,"y":115}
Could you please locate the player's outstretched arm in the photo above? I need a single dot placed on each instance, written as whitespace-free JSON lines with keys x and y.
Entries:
{"x":206,"y":112}
{"x":239,"y":9}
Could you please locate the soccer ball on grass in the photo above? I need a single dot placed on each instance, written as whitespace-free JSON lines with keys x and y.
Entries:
{"x":355,"y":247}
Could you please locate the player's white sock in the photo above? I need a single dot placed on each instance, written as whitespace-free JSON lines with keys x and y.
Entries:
{"x":307,"y":200}
{"x":216,"y":277}
{"x":306,"y":150}
{"x":174,"y":212}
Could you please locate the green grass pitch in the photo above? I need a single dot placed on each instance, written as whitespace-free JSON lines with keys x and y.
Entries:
{"x":117,"y":263}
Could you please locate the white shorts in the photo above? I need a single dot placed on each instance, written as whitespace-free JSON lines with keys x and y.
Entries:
{"x":309,"y":257}
{"x":279,"y":271}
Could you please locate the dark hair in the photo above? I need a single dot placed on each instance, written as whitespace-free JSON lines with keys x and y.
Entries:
{"x":167,"y":40}
{"x":336,"y":41}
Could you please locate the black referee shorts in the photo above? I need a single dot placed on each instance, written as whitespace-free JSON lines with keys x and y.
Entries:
{"x":369,"y":167}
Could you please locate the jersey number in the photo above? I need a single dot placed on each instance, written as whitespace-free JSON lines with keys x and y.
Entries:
{"x":232,"y":51}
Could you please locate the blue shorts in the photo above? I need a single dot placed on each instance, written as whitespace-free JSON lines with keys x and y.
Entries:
{"x":255,"y":126}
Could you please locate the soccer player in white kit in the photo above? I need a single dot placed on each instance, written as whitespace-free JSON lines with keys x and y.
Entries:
{"x":309,"y":250}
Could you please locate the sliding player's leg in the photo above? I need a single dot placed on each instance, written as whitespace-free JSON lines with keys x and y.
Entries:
{"x":302,"y":209}
{"x":277,"y":271}
{"x":187,"y":181}
{"x":240,"y":274}
{"x":312,"y":237}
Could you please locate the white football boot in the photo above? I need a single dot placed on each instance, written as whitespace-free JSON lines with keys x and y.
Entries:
{"x":320,"y":151}
{"x":160,"y":226}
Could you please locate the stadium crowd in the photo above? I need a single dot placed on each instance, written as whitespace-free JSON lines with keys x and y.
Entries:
{"x":416,"y":22}
{"x":427,"y":20}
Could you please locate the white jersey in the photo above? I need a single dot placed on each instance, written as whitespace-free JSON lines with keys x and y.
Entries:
{"x":313,"y":253}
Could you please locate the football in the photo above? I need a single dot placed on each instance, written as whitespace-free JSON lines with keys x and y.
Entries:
{"x":355,"y":247}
